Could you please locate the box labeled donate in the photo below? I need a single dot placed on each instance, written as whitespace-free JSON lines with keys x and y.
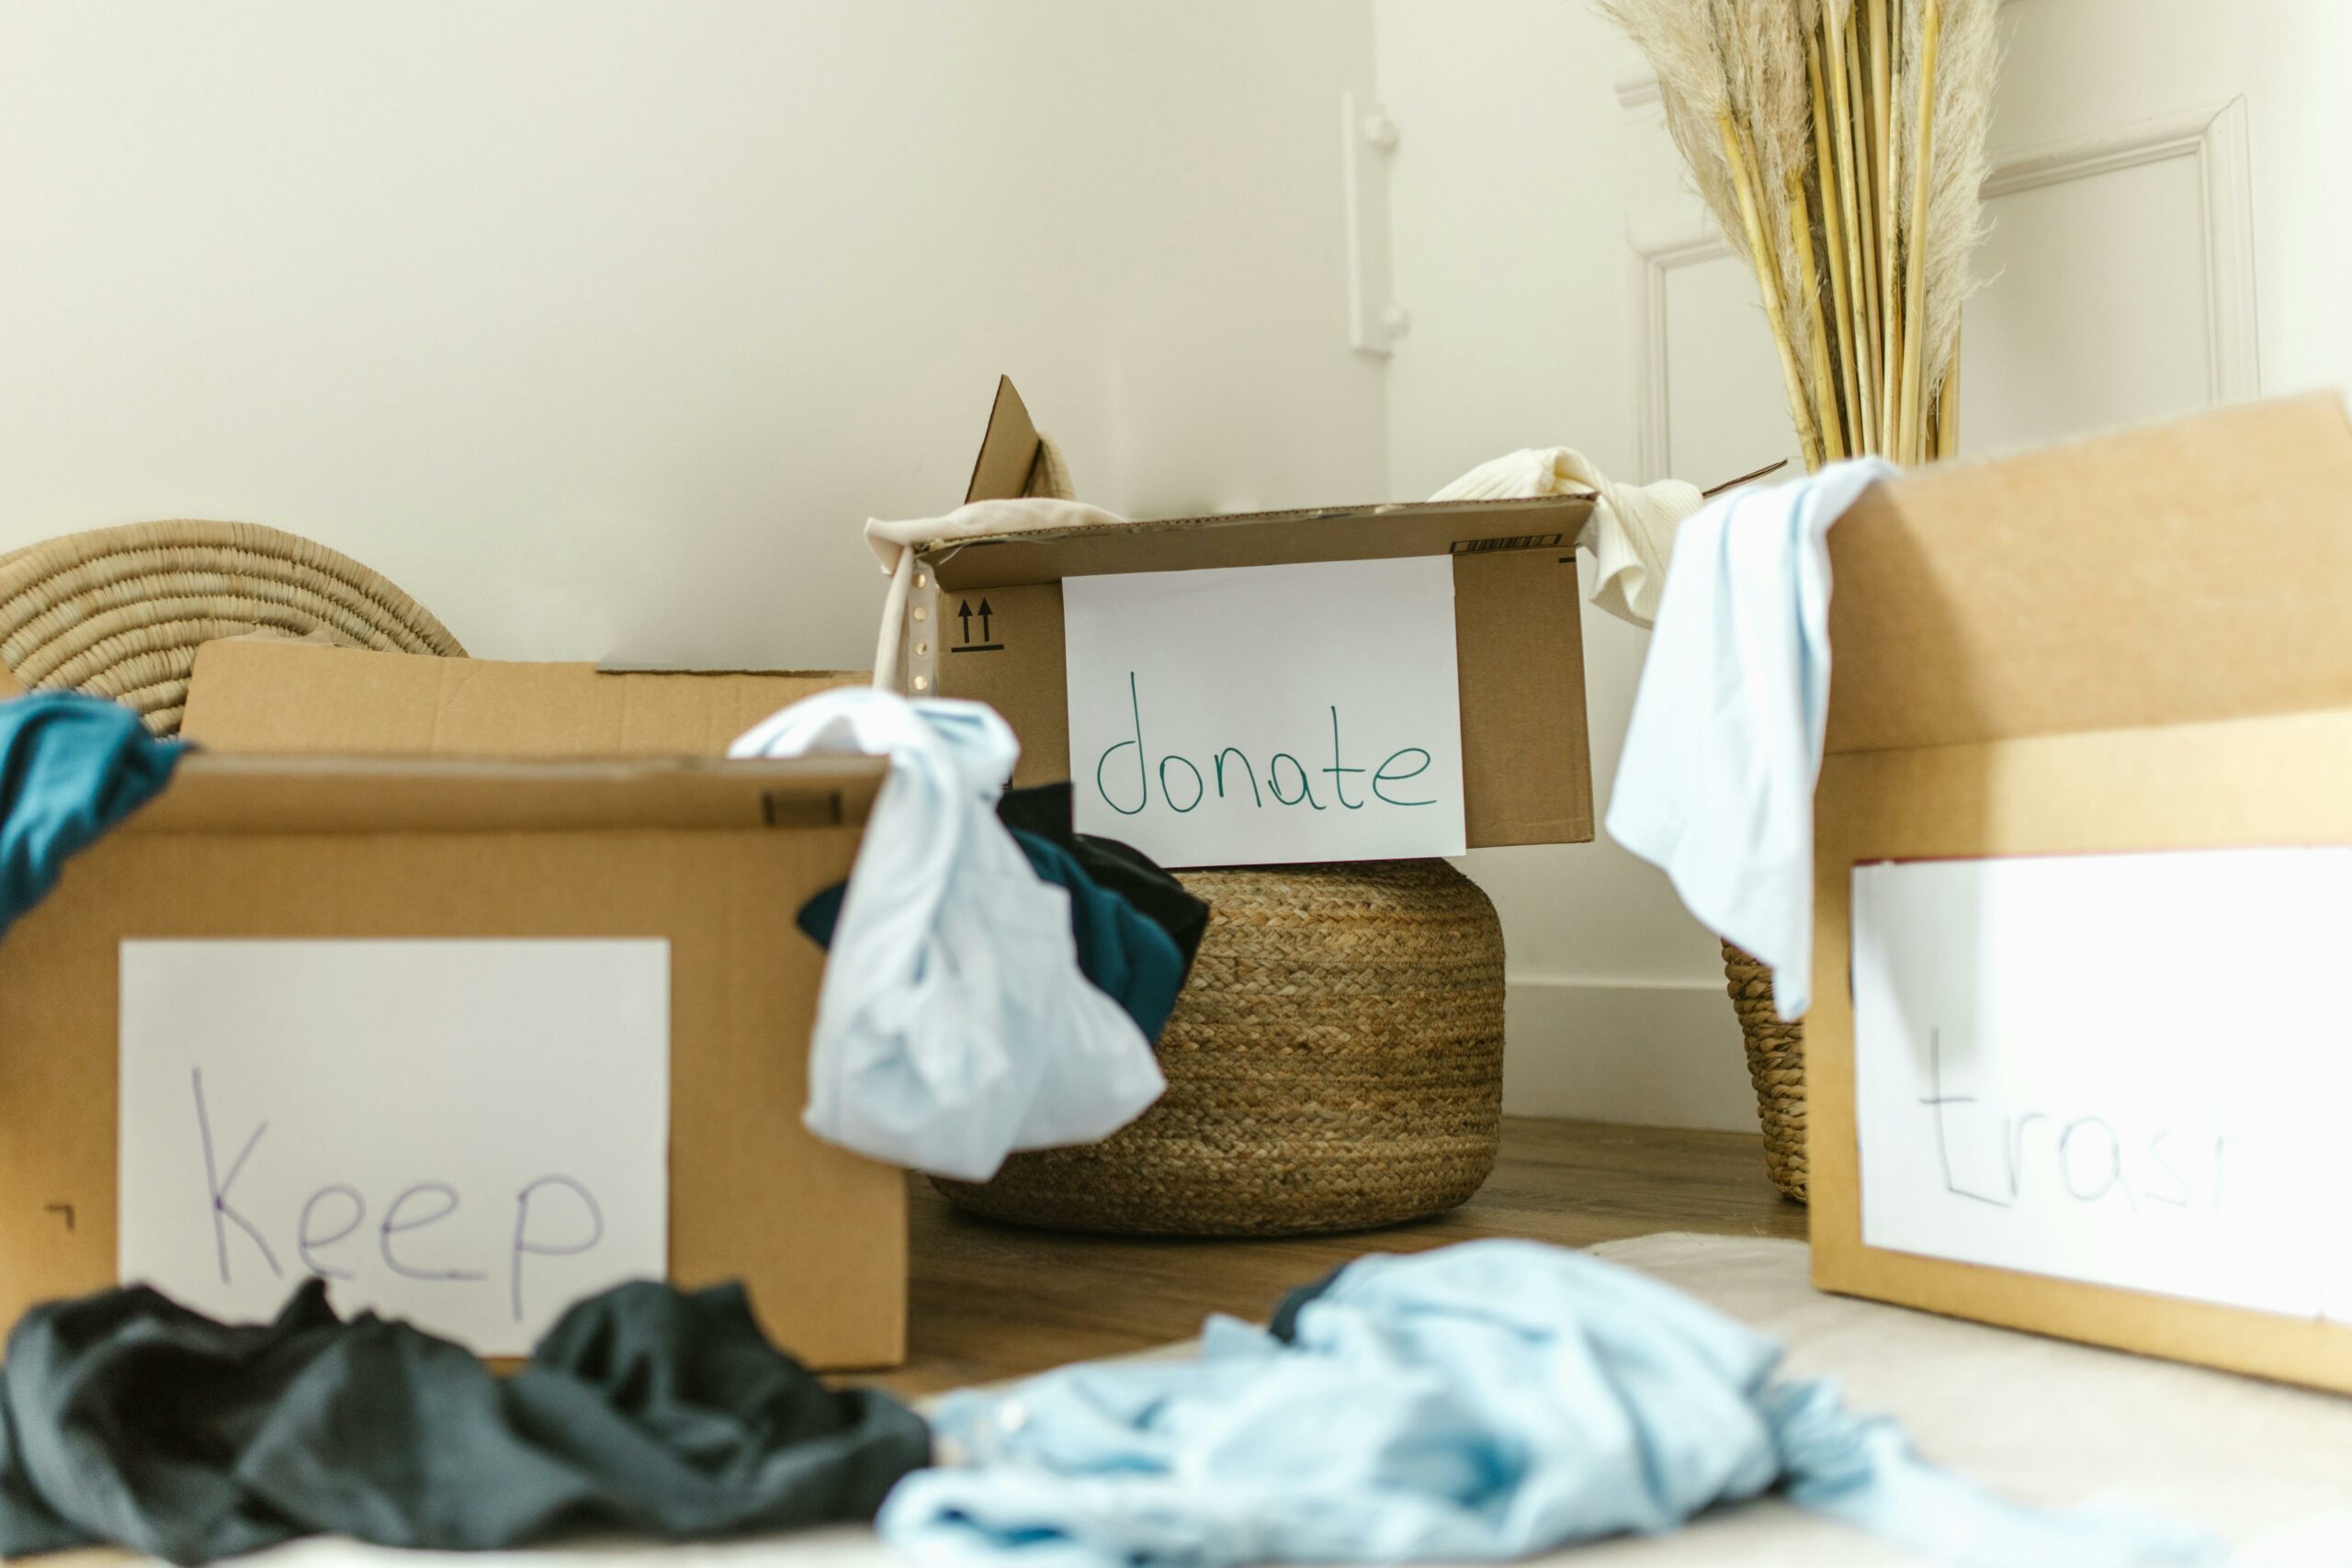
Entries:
{"x":467,"y":1039}
{"x":1360,"y":760}
{"x":2083,"y":894}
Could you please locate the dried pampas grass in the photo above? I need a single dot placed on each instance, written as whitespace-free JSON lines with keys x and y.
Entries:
{"x":1843,"y":141}
{"x":1708,"y":93}
{"x":1968,"y":61}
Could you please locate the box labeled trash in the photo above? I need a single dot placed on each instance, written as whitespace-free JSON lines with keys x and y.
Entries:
{"x":986,"y":620}
{"x":2083,"y":894}
{"x":467,"y":1038}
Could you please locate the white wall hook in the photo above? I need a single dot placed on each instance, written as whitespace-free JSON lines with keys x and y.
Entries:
{"x":1368,"y":136}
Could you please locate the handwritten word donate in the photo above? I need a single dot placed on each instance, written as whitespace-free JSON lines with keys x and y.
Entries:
{"x":1128,"y":770}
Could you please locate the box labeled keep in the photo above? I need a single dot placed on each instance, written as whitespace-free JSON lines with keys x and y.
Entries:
{"x":569,"y":995}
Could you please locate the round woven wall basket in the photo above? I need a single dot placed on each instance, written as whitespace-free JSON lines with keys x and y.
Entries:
{"x":119,"y":612}
{"x":1775,"y":1065}
{"x":1334,"y":1063}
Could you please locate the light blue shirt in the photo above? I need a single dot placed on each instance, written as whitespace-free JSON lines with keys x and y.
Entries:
{"x":1715,"y":782}
{"x":1485,"y":1401}
{"x":953,"y":1024}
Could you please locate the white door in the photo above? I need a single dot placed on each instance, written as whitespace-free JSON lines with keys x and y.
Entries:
{"x":2118,"y":278}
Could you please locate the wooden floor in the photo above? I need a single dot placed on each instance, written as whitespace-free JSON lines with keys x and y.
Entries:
{"x":992,"y":1300}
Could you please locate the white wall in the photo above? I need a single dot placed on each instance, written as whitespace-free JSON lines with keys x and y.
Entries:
{"x":2176,"y":233}
{"x":600,"y":327}
{"x":1509,"y":200}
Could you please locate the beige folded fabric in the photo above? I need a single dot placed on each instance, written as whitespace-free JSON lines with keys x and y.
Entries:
{"x":894,"y":545}
{"x":1630,"y":534}
{"x":979,"y":520}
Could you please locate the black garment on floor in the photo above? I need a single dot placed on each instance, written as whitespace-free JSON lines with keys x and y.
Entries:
{"x":128,"y":1418}
{"x":1046,"y":810}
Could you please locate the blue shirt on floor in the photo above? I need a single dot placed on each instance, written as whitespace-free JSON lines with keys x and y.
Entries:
{"x":1491,"y":1400}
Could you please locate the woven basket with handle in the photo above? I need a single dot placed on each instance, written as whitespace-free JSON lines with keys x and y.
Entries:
{"x":1335,"y":1063}
{"x":120,"y":612}
{"x":1776,"y":1066}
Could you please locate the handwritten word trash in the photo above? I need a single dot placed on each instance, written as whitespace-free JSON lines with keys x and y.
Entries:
{"x":2124,"y":1069}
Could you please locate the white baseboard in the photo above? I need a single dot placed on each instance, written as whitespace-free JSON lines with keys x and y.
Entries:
{"x":1650,"y":1055}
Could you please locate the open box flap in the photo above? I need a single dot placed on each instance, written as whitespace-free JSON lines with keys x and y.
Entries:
{"x":2195,"y":571}
{"x":1008,"y":453}
{"x":1008,"y":449}
{"x":1314,"y":534}
{"x":281,"y":696}
{"x":222,"y":793}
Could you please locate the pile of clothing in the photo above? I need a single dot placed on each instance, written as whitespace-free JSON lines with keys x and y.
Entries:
{"x":127,"y":1418}
{"x":1481,"y":1402}
{"x":1136,"y":929}
{"x":995,"y":981}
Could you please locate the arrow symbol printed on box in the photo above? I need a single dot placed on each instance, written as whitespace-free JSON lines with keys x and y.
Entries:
{"x":987,"y":613}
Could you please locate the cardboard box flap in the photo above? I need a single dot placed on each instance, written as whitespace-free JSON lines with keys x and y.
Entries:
{"x":217,"y":794}
{"x":2194,"y":570}
{"x":1008,"y":455}
{"x":279,"y":696}
{"x":1264,"y":538}
{"x":1007,"y":451}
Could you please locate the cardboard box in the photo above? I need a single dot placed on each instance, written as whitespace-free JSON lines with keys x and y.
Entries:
{"x":2136,"y":643}
{"x":714,"y":857}
{"x":1526,"y":775}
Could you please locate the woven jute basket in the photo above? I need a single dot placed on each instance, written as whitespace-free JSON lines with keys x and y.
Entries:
{"x":1775,"y":1065}
{"x":119,"y":612}
{"x":1334,"y":1063}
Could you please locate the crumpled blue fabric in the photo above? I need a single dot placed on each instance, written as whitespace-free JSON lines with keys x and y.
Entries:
{"x":1123,"y":952}
{"x":71,"y":767}
{"x":953,"y":1024}
{"x":1715,"y":782}
{"x":1481,"y":1402}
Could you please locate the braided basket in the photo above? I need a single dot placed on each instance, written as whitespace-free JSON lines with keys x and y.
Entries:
{"x":1335,"y":1063}
{"x":1776,"y":1066}
{"x":119,"y":612}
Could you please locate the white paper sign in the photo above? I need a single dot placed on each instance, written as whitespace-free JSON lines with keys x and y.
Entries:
{"x":469,"y":1134}
{"x":1254,"y":715}
{"x":2126,"y":1069}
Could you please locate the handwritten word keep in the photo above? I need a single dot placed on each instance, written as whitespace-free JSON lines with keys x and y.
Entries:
{"x":337,"y":1231}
